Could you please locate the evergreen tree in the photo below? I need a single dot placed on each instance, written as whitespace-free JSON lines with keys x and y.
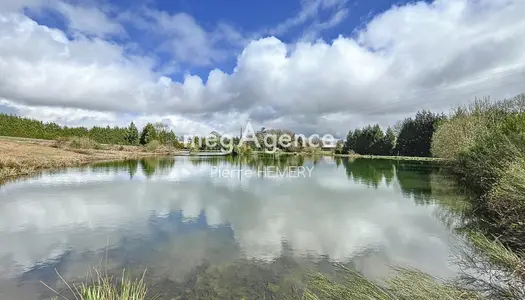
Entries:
{"x":389,"y":142}
{"x":132,"y":134}
{"x":148,"y":134}
{"x":415,"y":137}
{"x":349,"y":143}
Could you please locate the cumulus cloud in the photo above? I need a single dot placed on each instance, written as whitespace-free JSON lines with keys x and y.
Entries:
{"x":415,"y":56}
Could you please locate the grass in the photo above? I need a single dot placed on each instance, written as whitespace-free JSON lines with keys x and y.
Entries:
{"x":406,"y":284}
{"x":411,"y":158}
{"x":26,"y":157}
{"x":105,"y":287}
{"x":498,"y":254}
{"x":80,"y":143}
{"x":491,"y":268}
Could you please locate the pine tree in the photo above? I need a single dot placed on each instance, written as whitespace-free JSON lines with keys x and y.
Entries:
{"x":148,"y":134}
{"x":132,"y":134}
{"x":389,"y":142}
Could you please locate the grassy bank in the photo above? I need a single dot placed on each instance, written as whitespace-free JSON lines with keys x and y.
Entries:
{"x":28,"y":156}
{"x":484,"y":145}
{"x":409,"y":158}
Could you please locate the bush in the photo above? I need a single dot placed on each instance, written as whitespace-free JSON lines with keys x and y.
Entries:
{"x":153,"y":146}
{"x":83,"y":143}
{"x":61,"y":142}
{"x":485,"y":145}
{"x":506,"y":200}
{"x":456,"y":136}
{"x":242,"y":150}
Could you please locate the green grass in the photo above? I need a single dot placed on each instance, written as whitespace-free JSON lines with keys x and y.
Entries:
{"x":105,"y":287}
{"x":411,"y":158}
{"x":498,"y":254}
{"x":407,"y":284}
{"x":76,"y":142}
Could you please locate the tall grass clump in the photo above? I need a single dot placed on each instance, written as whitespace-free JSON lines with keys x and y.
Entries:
{"x":153,"y":146}
{"x":407,"y":284}
{"x":76,"y":142}
{"x":490,"y":268}
{"x":485,"y":146}
{"x":83,"y":143}
{"x":105,"y":287}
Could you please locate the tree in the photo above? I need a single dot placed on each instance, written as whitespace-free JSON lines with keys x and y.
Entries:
{"x":339,"y":147}
{"x":415,"y":136}
{"x":162,"y":132}
{"x":132,"y":134}
{"x":148,"y":134}
{"x":349,"y":143}
{"x":388,"y":142}
{"x":365,"y":141}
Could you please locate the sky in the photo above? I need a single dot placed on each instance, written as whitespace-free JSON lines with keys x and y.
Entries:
{"x":310,"y":66}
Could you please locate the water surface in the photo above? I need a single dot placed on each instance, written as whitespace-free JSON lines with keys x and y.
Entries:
{"x":197,"y":230}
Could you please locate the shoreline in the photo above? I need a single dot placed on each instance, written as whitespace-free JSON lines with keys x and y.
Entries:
{"x":412,"y":158}
{"x":25,"y":157}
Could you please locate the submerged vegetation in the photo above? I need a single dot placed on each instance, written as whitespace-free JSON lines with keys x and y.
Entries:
{"x":105,"y":287}
{"x":225,"y":283}
{"x":406,"y":284}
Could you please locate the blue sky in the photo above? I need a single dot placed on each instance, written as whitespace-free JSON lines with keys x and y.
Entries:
{"x":323,"y":66}
{"x":248,"y":18}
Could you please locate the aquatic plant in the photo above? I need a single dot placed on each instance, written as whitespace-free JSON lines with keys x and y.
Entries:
{"x":407,"y":284}
{"x":105,"y":287}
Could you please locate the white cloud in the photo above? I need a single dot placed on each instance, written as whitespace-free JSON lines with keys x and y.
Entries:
{"x":16,"y":5}
{"x":313,"y":31}
{"x":310,"y":9}
{"x":89,"y":20}
{"x":180,"y":35}
{"x":187,"y":40}
{"x":411,"y":57}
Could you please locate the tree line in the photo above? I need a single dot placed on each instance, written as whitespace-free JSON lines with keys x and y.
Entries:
{"x":15,"y":126}
{"x":411,"y":137}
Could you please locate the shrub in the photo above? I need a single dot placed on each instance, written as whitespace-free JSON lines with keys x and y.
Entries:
{"x":153,"y":146}
{"x":456,"y":136}
{"x":83,"y":143}
{"x":506,"y":200}
{"x":485,"y":144}
{"x":61,"y":142}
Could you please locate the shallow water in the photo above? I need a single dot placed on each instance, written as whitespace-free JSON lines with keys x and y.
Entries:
{"x":196,"y":225}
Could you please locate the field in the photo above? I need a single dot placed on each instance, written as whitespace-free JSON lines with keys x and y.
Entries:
{"x":19,"y":156}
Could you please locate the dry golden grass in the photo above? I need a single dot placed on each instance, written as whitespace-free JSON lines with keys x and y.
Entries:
{"x":24,"y":157}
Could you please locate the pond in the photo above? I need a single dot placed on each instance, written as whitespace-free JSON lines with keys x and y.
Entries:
{"x":224,"y":227}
